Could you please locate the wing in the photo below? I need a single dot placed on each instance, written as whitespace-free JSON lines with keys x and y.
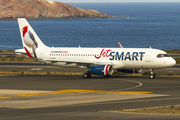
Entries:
{"x":77,"y":62}
{"x":32,"y":37}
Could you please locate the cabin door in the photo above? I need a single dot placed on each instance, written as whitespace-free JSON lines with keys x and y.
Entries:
{"x":148,"y":56}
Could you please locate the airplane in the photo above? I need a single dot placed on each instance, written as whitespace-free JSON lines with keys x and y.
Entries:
{"x":98,"y":61}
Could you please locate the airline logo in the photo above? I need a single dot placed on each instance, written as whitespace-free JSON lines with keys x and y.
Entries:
{"x":59,"y":51}
{"x":131,"y":56}
{"x":104,"y":53}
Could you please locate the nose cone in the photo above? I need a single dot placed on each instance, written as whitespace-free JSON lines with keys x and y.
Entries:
{"x":171,"y":62}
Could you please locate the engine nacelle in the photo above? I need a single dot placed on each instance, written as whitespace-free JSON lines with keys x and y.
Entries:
{"x":130,"y":70}
{"x":105,"y":70}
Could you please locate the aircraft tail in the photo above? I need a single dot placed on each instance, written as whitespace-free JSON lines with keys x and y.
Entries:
{"x":29,"y":38}
{"x":120,"y":46}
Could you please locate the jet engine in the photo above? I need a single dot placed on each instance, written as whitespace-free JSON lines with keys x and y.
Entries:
{"x":130,"y":70}
{"x":105,"y":70}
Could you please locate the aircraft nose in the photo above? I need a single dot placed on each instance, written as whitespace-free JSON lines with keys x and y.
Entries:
{"x":172,"y":62}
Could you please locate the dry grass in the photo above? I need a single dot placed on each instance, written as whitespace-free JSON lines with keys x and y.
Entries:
{"x":160,"y":110}
{"x":175,"y":51}
{"x":177,"y":60}
{"x":6,"y":51}
{"x":159,"y":74}
{"x":14,"y":58}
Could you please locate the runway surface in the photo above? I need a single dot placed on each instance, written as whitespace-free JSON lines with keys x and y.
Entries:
{"x":74,"y":98}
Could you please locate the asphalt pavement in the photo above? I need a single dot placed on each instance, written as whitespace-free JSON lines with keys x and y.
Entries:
{"x":74,"y":98}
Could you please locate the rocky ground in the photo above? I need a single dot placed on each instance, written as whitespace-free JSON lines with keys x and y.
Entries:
{"x":35,"y":9}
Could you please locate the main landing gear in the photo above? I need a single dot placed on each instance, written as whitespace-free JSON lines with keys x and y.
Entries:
{"x":152,"y":74}
{"x":87,"y":75}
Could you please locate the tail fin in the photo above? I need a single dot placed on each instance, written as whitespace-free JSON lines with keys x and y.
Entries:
{"x":120,"y":46}
{"x":24,"y":24}
{"x":29,"y":38}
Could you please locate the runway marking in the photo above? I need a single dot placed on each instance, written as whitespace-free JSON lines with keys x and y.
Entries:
{"x":105,"y":91}
{"x":72,"y":91}
{"x":140,"y":84}
{"x":6,"y":75}
{"x":36,"y":69}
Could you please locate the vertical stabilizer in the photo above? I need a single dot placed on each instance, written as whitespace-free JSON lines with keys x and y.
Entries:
{"x":120,"y":46}
{"x":29,"y":38}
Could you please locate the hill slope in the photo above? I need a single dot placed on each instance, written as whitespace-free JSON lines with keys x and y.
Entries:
{"x":12,"y":9}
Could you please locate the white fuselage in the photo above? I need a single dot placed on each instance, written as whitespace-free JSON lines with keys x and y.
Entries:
{"x":99,"y":61}
{"x":120,"y":58}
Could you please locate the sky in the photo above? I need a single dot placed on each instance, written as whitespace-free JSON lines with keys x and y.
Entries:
{"x":74,"y":1}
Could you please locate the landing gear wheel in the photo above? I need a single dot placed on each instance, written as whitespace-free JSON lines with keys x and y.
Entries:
{"x":107,"y":75}
{"x":152,"y":74}
{"x":86,"y":75}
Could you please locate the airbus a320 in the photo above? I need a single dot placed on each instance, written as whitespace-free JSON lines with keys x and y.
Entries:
{"x":98,"y":61}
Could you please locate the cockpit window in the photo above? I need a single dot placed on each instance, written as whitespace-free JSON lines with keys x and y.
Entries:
{"x":162,"y":55}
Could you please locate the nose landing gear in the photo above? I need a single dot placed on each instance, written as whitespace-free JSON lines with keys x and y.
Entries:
{"x":152,"y":74}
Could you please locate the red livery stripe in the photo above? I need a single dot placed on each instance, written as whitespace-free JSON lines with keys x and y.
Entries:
{"x":106,"y":71}
{"x":27,"y":52}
